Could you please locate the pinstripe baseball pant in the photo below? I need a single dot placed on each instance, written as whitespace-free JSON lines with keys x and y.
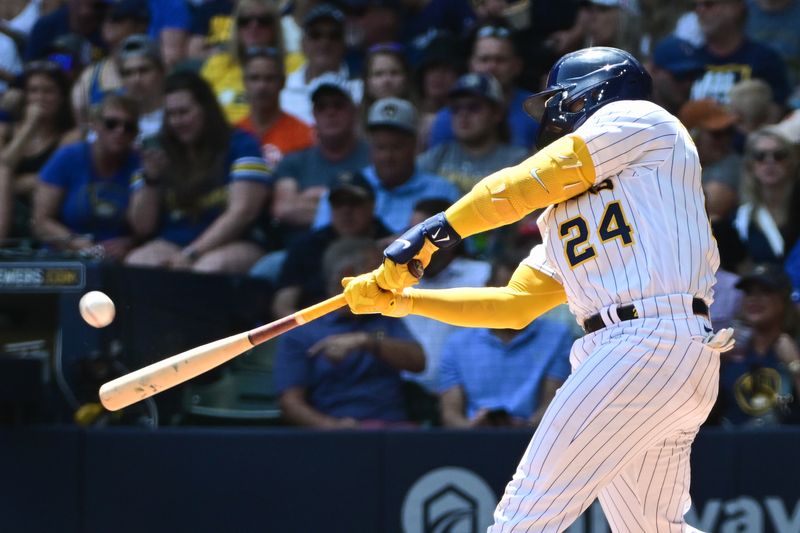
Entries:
{"x":620,"y":429}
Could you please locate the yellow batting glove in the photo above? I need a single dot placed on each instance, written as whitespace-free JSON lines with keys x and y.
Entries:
{"x":364,"y":296}
{"x":397,"y":276}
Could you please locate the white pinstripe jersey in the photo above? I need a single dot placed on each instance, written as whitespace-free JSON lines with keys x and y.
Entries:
{"x":642,"y":230}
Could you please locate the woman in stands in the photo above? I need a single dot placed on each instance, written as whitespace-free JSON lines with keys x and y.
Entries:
{"x":201,"y":190}
{"x":46,"y":123}
{"x":82,"y":194}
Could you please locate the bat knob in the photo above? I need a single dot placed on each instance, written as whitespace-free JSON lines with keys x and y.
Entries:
{"x":415,"y":267}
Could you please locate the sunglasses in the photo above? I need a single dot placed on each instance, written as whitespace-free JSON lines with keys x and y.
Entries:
{"x":317,"y":35}
{"x":778,"y":156}
{"x":129,"y":126}
{"x":261,"y":20}
{"x":494,"y":31}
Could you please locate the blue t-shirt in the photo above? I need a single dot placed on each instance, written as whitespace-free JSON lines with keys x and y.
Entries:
{"x":778,"y":30}
{"x":748,"y":385}
{"x":394,"y":206}
{"x":242,"y":162}
{"x":751,"y":60}
{"x":522,"y":127}
{"x":167,"y":15}
{"x":92,"y":204}
{"x":494,"y":375}
{"x":52,"y":26}
{"x":361,"y":386}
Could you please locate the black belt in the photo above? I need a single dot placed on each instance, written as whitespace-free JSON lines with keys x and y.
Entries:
{"x":628,"y":312}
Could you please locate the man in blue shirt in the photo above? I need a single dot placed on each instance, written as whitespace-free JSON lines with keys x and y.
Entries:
{"x":398,"y":184}
{"x":343,"y":371}
{"x":502,"y":377}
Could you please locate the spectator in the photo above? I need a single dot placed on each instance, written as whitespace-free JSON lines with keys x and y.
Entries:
{"x":82,"y":195}
{"x":398,"y":184}
{"x":439,"y":67}
{"x":143,"y":80}
{"x":767,"y":222}
{"x":169,"y":26}
{"x":502,"y":377}
{"x":730,"y":56}
{"x":674,"y":65}
{"x":302,"y":177}
{"x":210,"y":25}
{"x":493,"y":52}
{"x":386,"y":74}
{"x":448,"y":269}
{"x":479,"y":128}
{"x":301,"y":283}
{"x":752,"y":105}
{"x":201,"y":191}
{"x":760,"y":378}
{"x":775,"y":22}
{"x":279,"y":132}
{"x":81,"y":17}
{"x":613,"y":23}
{"x":122,"y":19}
{"x":46,"y":124}
{"x":712,"y":128}
{"x":324,"y":47}
{"x":344,"y":370}
{"x":371,"y":23}
{"x":257,"y":24}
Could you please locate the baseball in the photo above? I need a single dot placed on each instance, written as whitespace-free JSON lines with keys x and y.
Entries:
{"x":97,"y":309}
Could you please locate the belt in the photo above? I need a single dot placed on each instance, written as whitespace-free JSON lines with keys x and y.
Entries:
{"x":628,"y":312}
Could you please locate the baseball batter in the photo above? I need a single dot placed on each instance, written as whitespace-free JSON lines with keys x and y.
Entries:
{"x":626,"y":242}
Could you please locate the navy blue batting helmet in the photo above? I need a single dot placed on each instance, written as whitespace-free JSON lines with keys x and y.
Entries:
{"x":582,"y":82}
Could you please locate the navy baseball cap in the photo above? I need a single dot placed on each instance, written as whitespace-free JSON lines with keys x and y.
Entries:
{"x":482,"y":85}
{"x":350,"y":187}
{"x":678,"y":56}
{"x":768,"y":276}
{"x":324,"y":11}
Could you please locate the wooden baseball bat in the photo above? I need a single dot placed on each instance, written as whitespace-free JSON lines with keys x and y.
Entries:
{"x":164,"y":374}
{"x":167,"y":373}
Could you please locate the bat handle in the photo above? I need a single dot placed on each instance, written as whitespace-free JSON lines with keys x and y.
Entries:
{"x":315,"y":311}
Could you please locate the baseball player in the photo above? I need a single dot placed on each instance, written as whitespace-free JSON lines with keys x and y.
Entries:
{"x":627,"y":244}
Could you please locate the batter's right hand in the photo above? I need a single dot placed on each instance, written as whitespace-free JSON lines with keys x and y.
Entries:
{"x":365,"y":296}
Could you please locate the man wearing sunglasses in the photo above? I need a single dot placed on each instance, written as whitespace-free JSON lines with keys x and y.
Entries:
{"x":627,"y":244}
{"x":324,"y":47}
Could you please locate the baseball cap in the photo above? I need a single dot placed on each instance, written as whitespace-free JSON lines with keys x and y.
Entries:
{"x":140,"y":45}
{"x":393,"y":113}
{"x":330,"y":81}
{"x":324,"y":11}
{"x":706,"y":114}
{"x":678,"y":57}
{"x":129,"y":9}
{"x":768,"y":276}
{"x":349,"y":187}
{"x":483,"y":85}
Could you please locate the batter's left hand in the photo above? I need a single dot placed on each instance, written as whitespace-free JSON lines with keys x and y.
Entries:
{"x":365,"y":296}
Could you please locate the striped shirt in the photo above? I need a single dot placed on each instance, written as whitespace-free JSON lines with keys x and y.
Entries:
{"x":642,"y":230}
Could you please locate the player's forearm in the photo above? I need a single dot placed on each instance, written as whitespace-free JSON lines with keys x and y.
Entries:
{"x":560,"y":171}
{"x":528,"y":295}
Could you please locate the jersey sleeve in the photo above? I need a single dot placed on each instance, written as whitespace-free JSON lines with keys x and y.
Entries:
{"x":247,"y":164}
{"x":537,"y":260}
{"x":628,"y":134}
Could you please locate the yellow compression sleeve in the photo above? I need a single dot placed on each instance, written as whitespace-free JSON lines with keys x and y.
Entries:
{"x":561,"y":170}
{"x":528,"y":295}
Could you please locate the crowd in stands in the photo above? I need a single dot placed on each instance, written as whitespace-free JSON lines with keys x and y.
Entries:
{"x":288,"y":140}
